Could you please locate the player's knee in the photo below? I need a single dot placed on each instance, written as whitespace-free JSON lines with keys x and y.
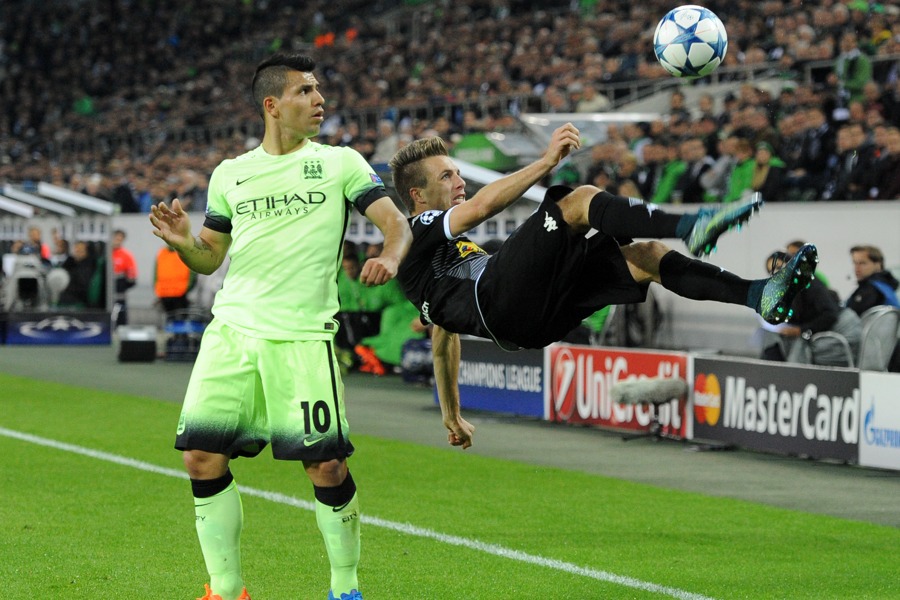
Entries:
{"x":653,"y":249}
{"x":326,"y":473}
{"x":204,"y":465}
{"x":643,"y":259}
{"x":575,"y":205}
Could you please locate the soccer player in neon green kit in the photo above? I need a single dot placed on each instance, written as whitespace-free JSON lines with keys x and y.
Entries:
{"x":266,"y":372}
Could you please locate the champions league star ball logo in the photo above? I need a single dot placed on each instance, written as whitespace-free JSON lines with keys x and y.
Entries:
{"x":54,"y":328}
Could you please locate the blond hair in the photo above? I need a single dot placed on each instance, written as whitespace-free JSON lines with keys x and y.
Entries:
{"x":407,"y":170}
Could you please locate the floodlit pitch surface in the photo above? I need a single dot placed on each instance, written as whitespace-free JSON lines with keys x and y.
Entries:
{"x":95,"y":505}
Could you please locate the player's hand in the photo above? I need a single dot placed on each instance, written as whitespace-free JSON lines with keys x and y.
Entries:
{"x":565,"y":139}
{"x":378,"y":270}
{"x":172,"y":224}
{"x":460,"y":433}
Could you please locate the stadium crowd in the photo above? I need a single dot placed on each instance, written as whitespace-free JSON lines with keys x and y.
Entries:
{"x":134,"y":100}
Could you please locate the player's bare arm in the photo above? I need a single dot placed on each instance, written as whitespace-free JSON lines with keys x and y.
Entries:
{"x":496,"y":196}
{"x":445,"y":350}
{"x":397,"y":238}
{"x":204,"y":253}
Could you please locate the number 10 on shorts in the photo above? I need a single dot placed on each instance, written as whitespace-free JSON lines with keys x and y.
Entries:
{"x":317,"y":416}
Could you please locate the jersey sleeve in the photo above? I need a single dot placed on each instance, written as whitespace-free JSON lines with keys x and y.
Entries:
{"x":218,"y":212}
{"x":362,"y":186}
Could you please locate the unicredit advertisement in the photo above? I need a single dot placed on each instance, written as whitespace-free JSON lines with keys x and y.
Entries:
{"x":579,"y":380}
{"x":795,"y":410}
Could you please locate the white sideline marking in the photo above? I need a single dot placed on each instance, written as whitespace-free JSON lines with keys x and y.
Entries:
{"x":406,"y":528}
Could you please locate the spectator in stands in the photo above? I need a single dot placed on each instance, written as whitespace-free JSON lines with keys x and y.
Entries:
{"x":388,"y":142}
{"x":677,"y":106}
{"x":655,"y":156}
{"x":740,"y":180}
{"x":172,"y":280}
{"x":763,"y":131}
{"x":768,"y":173}
{"x":808,"y":172}
{"x":886,"y":185}
{"x":83,"y":289}
{"x":698,"y":162}
{"x":847,"y":166}
{"x":875,"y":285}
{"x":34,"y":245}
{"x":715,"y":180}
{"x":626,"y":174}
{"x":124,"y":275}
{"x":61,"y":252}
{"x":673,"y":167}
{"x":852,"y":70}
{"x":590,"y":100}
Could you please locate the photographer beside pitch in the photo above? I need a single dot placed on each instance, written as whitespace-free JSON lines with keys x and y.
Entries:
{"x":548,"y":276}
{"x":266,"y":372}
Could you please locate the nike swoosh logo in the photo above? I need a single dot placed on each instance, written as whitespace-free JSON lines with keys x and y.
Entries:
{"x":240,"y":181}
{"x":199,"y":505}
{"x":309,"y":443}
{"x":341,"y":507}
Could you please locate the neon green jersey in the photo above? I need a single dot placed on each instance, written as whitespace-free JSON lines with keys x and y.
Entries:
{"x":287,"y":216}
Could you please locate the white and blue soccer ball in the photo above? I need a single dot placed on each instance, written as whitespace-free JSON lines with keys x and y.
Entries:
{"x":690,"y":41}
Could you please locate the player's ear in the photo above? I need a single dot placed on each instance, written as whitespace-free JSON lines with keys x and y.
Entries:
{"x":416,"y":195}
{"x":270,"y":106}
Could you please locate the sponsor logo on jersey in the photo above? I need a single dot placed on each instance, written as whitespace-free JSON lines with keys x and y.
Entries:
{"x":549,"y":222}
{"x":269,"y":206}
{"x":313,"y":169}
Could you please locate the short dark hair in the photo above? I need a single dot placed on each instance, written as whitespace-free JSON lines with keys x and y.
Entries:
{"x":406,"y":169}
{"x":873,"y":252}
{"x":270,"y":77}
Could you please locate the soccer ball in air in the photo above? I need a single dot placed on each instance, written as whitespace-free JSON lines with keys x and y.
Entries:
{"x":690,"y":41}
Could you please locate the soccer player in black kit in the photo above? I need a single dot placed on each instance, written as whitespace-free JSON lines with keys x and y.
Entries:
{"x":548,"y":275}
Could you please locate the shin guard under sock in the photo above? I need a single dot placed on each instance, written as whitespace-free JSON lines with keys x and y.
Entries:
{"x":219,"y":520}
{"x":337,"y":514}
{"x":698,"y":280}
{"x":621,"y":217}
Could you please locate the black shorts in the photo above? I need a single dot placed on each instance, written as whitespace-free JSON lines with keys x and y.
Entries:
{"x":545,"y":279}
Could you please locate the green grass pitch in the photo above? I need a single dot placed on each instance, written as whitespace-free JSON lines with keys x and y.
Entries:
{"x":439,"y":523}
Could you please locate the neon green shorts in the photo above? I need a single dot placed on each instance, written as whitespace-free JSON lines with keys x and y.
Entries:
{"x":245,"y":393}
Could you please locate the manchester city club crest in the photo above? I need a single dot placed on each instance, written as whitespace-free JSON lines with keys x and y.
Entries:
{"x":313,"y":169}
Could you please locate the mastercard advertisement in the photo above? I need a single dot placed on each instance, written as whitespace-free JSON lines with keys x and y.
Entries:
{"x":813,"y":412}
{"x":580,"y":379}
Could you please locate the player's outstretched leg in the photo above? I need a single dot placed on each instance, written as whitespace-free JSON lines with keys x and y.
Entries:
{"x":621,"y":217}
{"x":782,"y":287}
{"x":710,"y":224}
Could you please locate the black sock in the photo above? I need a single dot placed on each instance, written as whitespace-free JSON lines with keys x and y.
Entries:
{"x":206,"y":488}
{"x":622,"y":217}
{"x":698,"y":280}
{"x":337,"y":495}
